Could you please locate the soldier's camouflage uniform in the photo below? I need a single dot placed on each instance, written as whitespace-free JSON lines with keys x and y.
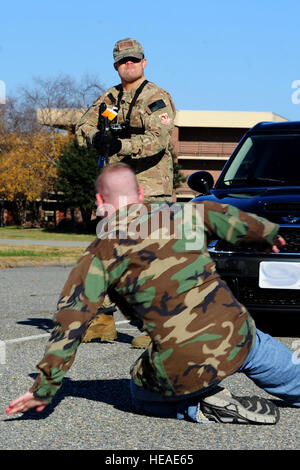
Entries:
{"x":200,"y":332}
{"x":149,"y":154}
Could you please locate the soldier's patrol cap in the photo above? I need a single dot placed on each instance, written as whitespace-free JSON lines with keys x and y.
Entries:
{"x":127,"y":48}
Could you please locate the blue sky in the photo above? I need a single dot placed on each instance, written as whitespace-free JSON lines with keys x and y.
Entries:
{"x":225,"y":55}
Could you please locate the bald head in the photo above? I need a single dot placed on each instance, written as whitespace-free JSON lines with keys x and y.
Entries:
{"x":117,"y":186}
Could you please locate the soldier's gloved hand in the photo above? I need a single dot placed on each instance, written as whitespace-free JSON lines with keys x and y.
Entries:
{"x":97,"y":141}
{"x":101,"y":143}
{"x":100,"y":140}
{"x":114,"y":147}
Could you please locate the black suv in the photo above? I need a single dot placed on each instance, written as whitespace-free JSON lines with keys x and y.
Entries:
{"x":262,"y":176}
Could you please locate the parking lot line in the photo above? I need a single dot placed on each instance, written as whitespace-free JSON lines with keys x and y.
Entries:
{"x":44,"y":335}
{"x":3,"y":343}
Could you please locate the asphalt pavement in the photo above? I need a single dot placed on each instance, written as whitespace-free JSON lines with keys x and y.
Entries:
{"x":93,"y":410}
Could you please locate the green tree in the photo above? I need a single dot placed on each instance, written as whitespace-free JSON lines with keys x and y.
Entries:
{"x":77,"y":169}
{"x":178,"y":176}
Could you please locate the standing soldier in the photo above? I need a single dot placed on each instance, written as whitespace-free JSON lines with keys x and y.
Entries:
{"x":146,"y":114}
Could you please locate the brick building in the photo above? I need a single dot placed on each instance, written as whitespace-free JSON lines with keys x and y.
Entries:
{"x":202,"y":140}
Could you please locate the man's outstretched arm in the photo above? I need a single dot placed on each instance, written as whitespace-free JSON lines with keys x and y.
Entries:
{"x":81,"y":298}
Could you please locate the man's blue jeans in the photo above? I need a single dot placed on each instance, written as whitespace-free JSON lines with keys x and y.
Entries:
{"x":270,"y":364}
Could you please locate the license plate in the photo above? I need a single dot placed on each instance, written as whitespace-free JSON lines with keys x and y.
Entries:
{"x":279,"y":275}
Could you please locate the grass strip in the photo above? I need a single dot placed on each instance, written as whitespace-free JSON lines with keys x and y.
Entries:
{"x":42,"y":234}
{"x":12,"y":252}
{"x":9,"y":252}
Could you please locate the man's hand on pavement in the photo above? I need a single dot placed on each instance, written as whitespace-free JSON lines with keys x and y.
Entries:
{"x":24,"y":403}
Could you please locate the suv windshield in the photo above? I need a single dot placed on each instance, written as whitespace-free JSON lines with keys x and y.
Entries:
{"x":265,"y":160}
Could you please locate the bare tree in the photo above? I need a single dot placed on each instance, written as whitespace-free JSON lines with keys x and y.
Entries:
{"x":59,"y":100}
{"x":63,"y":92}
{"x":17,"y":117}
{"x":57,"y":97}
{"x":50,"y":104}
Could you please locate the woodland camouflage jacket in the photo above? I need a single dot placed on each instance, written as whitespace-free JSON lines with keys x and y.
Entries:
{"x":148,"y":259}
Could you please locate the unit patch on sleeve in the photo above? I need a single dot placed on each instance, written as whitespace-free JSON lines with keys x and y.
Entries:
{"x":159,"y":104}
{"x":165,"y":119}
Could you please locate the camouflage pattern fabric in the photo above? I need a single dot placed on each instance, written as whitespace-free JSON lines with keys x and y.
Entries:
{"x":127,"y":47}
{"x":200,"y":333}
{"x":148,"y":154}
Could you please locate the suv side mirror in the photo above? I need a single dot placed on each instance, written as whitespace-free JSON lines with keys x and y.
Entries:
{"x":201,"y":182}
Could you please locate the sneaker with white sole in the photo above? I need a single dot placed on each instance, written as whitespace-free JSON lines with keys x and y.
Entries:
{"x":223,"y":407}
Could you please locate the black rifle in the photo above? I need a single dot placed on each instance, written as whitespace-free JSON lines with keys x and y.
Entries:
{"x":103,"y":128}
{"x":108,"y":131}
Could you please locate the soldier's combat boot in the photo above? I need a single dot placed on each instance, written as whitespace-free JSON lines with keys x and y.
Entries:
{"x":223,"y":407}
{"x":141,"y":342}
{"x":102,"y":327}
